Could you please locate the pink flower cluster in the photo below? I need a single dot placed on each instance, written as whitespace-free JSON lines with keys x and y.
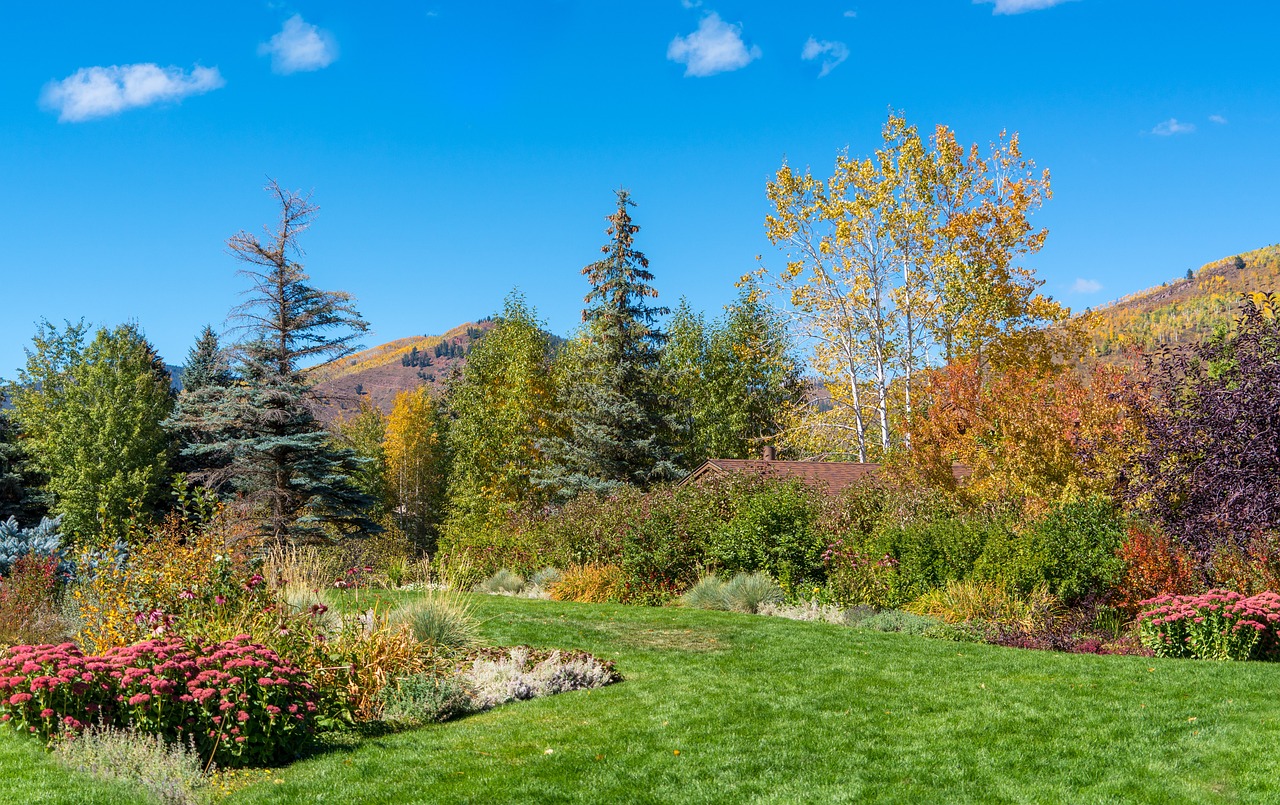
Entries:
{"x":165,"y":686}
{"x":1218,"y":624}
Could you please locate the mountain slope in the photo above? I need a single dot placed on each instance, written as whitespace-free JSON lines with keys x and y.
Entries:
{"x":376,"y":375}
{"x":1183,"y":311}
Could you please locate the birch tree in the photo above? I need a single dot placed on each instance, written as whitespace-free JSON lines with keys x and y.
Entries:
{"x":905,"y":260}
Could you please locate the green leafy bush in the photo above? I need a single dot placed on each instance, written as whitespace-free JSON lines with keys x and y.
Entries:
{"x":1071,"y":550}
{"x":931,"y":552}
{"x":773,"y":532}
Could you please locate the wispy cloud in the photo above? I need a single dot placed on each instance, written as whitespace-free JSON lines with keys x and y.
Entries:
{"x":833,"y":53}
{"x":716,"y":47}
{"x":850,"y":14}
{"x":93,"y":92}
{"x":1219,"y":119}
{"x":1172,"y":126}
{"x":299,"y":47}
{"x":690,"y":3}
{"x":1020,"y":6}
{"x":1082,"y":285}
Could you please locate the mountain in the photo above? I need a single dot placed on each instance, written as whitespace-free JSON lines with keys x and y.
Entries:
{"x":378,"y":374}
{"x":1183,"y":311}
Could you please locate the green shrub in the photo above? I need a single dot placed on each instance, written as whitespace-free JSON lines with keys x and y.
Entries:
{"x":503,"y":582}
{"x":747,"y":592}
{"x":441,"y":620}
{"x":425,"y":699}
{"x":172,"y":772}
{"x":1071,"y":550}
{"x":772,"y":532}
{"x":707,"y":593}
{"x":931,"y":552}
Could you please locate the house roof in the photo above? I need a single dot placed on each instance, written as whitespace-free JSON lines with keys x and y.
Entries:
{"x":835,"y":475}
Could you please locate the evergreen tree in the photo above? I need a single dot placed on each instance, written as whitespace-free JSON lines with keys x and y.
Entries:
{"x":618,"y":429}
{"x":279,"y":457}
{"x":92,"y":416}
{"x":20,"y":484}
{"x":206,"y":379}
{"x":500,"y":403}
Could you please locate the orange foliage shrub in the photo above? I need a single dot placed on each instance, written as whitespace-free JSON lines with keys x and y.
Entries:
{"x":1153,"y":565}
{"x":590,"y":584}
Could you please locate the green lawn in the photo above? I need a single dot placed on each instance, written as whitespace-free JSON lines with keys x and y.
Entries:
{"x":767,"y":710}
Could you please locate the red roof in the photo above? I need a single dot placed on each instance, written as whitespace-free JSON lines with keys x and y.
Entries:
{"x":835,"y":475}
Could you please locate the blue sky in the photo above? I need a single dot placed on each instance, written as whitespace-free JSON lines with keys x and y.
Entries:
{"x":459,"y":149}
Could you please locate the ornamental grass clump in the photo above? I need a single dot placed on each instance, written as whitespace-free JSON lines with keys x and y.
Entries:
{"x":516,"y":674}
{"x":440,"y":620}
{"x":237,"y":700}
{"x":503,"y":582}
{"x":747,"y":592}
{"x":1215,"y":625}
{"x":707,"y":593}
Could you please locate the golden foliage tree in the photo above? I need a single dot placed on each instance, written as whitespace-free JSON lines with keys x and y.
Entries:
{"x":1030,"y":436}
{"x":416,"y":464}
{"x":905,"y":260}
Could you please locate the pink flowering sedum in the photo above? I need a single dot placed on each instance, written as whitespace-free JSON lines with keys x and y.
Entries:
{"x":165,"y":686}
{"x":1215,"y":625}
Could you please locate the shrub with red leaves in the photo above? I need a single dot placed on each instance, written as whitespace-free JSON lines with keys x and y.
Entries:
{"x":236,"y":698}
{"x":27,"y":600}
{"x":1153,"y":565}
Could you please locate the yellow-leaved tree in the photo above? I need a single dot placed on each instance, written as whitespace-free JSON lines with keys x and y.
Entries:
{"x":416,"y":465}
{"x":903,"y":261}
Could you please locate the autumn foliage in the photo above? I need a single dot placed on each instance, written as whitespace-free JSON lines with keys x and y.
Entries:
{"x":1029,"y":435}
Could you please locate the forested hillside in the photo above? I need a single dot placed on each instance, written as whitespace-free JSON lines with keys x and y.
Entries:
{"x":377,"y":374}
{"x":1185,"y":310}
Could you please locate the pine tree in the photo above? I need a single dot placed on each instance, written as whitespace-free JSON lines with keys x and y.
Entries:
{"x":616,"y":405}
{"x":19,"y":483}
{"x":279,"y":457}
{"x":206,"y":379}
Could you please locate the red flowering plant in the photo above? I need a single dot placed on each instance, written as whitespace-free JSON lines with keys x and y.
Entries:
{"x":237,"y":700}
{"x":1215,"y":625}
{"x":856,"y":578}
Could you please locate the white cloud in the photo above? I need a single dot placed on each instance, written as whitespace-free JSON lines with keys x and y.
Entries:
{"x":851,"y":14}
{"x":1170,"y":127}
{"x":716,"y":47}
{"x":1082,"y":285}
{"x":690,"y":3}
{"x":92,"y":92}
{"x":299,"y":47}
{"x":834,"y":52}
{"x":1020,"y":6}
{"x":1219,"y":119}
